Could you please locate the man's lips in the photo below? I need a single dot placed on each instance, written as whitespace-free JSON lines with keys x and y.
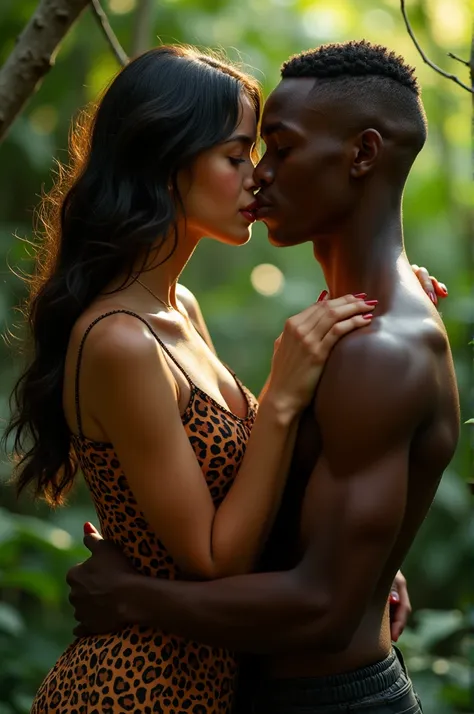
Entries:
{"x":263,"y":205}
{"x":262,"y":201}
{"x":258,"y":208}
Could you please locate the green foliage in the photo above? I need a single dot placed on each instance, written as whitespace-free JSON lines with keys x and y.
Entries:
{"x":34,"y":556}
{"x":37,"y":546}
{"x":437,"y":652}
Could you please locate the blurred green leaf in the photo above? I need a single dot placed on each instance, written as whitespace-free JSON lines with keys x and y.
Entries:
{"x":11,"y":621}
{"x":6,"y":709}
{"x":35,"y":582}
{"x":434,"y":626}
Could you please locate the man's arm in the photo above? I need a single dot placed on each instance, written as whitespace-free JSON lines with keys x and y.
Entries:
{"x":371,"y":398}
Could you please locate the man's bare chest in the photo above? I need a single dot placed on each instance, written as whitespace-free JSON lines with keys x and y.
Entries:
{"x":284,"y":546}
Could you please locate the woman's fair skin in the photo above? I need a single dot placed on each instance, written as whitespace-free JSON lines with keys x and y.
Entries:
{"x":214,"y":190}
{"x":219,"y":187}
{"x":132,"y":394}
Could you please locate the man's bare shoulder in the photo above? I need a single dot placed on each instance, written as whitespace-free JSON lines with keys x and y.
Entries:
{"x":404,"y":344}
{"x":385,"y":371}
{"x":375,"y":351}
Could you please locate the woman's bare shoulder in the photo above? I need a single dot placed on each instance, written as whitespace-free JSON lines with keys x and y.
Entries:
{"x":113,"y":333}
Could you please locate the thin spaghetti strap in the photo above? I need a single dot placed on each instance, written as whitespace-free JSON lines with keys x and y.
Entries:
{"x":81,"y":349}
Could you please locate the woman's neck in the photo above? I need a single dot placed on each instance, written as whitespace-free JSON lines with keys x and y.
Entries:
{"x":164,"y":266}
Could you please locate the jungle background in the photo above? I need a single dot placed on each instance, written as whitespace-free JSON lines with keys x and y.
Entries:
{"x":247,"y":294}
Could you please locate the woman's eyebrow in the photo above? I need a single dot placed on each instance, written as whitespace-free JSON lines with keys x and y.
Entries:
{"x":242,"y":138}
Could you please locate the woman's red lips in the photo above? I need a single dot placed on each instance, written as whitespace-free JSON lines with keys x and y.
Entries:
{"x":249,"y":211}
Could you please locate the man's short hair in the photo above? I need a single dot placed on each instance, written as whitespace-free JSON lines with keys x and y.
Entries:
{"x":367,"y":76}
{"x":351,"y":59}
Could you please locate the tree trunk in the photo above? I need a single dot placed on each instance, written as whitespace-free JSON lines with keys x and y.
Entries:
{"x":471,"y":62}
{"x":33,"y":55}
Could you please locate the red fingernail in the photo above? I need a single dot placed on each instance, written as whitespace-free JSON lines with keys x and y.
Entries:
{"x":89,"y":528}
{"x":444,"y":288}
{"x":367,"y":317}
{"x":373,"y":303}
{"x":322,"y":296}
{"x":360,"y":295}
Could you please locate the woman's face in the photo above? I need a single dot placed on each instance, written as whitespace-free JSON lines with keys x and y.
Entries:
{"x":219,"y":186}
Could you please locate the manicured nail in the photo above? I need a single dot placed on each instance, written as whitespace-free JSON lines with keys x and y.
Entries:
{"x":394,"y":597}
{"x":443,"y":288}
{"x":322,"y":296}
{"x":360,"y":295}
{"x":368,"y":317}
{"x":89,"y":528}
{"x":372,"y":303}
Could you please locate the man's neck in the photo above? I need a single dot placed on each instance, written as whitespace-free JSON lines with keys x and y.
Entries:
{"x":363,"y":258}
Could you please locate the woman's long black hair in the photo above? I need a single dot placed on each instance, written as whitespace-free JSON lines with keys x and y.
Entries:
{"x":108,"y":208}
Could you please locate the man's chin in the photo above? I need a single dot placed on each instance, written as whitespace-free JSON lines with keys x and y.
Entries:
{"x":273,"y":232}
{"x":277,"y":243}
{"x":278,"y":237}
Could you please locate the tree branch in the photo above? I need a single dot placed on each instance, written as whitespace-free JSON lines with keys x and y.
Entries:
{"x":459,"y":59}
{"x":33,"y":55}
{"x":472,"y":61}
{"x":141,"y":27}
{"x":110,"y":36}
{"x":440,"y":71}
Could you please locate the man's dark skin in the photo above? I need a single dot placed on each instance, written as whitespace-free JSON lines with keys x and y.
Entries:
{"x":372,"y":448}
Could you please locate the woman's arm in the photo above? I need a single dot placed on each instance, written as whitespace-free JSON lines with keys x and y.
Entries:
{"x":135,"y":401}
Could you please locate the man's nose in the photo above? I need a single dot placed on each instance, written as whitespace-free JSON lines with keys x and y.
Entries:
{"x":263,"y":174}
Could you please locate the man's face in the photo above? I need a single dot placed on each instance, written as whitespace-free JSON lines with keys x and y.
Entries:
{"x":304,"y":175}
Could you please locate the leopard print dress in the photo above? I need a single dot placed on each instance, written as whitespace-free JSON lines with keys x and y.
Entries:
{"x":137,"y":669}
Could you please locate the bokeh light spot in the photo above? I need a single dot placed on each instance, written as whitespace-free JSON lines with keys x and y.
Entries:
{"x":44,"y":119}
{"x":267,"y":279}
{"x":121,"y":7}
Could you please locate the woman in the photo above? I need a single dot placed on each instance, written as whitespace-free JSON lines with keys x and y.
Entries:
{"x":125,"y":383}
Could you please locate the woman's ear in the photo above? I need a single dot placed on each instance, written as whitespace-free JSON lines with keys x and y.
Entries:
{"x":367,"y":149}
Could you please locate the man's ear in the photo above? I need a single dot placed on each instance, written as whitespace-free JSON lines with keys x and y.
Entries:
{"x":366,"y":151}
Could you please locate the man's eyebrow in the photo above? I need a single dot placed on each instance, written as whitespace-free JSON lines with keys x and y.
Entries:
{"x":242,"y":138}
{"x":268,"y":129}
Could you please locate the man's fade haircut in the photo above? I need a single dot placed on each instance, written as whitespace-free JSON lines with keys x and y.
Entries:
{"x":370,"y":75}
{"x":351,"y":59}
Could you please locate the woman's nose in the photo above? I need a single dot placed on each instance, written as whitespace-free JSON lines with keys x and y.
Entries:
{"x":249,"y":182}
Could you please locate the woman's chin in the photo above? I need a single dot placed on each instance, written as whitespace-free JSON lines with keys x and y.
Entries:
{"x":239,"y":237}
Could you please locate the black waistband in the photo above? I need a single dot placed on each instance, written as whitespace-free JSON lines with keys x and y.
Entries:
{"x":337,"y":689}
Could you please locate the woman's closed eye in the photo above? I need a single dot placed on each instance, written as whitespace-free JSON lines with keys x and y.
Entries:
{"x":283,"y":151}
{"x":236,"y":161}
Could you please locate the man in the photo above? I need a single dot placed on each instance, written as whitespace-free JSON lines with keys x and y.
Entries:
{"x":342,"y":130}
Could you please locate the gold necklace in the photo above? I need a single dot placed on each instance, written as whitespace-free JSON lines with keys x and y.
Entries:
{"x":167,"y":305}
